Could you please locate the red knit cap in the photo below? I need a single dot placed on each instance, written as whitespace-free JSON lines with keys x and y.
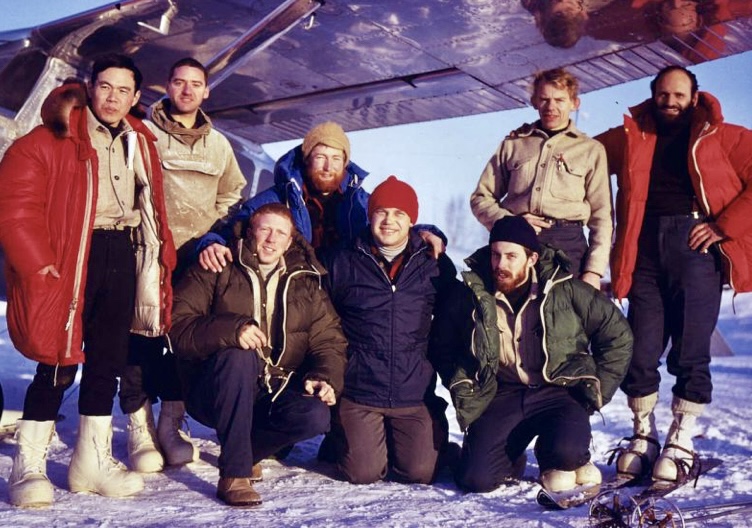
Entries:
{"x":396,"y":194}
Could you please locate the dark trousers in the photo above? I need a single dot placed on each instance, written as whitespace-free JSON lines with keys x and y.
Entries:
{"x":229,"y":396}
{"x":515,"y":416}
{"x":151,"y":374}
{"x":571,"y":240}
{"x":676,"y":293}
{"x":376,"y":438}
{"x":107,"y":315}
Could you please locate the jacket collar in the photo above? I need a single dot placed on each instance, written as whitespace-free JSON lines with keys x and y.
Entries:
{"x":531,"y":129}
{"x":300,"y":256}
{"x":553,"y":264}
{"x":159,"y":115}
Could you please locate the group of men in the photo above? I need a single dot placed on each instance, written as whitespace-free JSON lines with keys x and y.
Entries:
{"x":317,"y":308}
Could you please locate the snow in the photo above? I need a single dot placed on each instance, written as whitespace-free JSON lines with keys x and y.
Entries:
{"x":303,"y":492}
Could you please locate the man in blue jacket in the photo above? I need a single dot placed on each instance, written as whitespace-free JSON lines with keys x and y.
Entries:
{"x":527,"y":351}
{"x":385,"y":287}
{"x":323,"y":190}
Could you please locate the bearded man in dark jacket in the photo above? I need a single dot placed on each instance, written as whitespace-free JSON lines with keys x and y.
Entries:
{"x":252,"y":342}
{"x":385,"y":287}
{"x":527,"y":350}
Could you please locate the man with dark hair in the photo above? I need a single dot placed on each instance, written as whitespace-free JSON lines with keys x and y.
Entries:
{"x":527,"y":350}
{"x":84,"y":230}
{"x":202,"y":183}
{"x":254,"y":342}
{"x":684,"y":218}
{"x":555,"y":177}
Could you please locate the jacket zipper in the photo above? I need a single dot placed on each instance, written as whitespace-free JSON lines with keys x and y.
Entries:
{"x":705,"y":198}
{"x":393,"y":287}
{"x":80,"y":260}
{"x":147,"y":161}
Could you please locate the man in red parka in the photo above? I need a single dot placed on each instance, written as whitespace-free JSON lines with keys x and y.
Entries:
{"x":88,"y":259}
{"x":684,"y":227}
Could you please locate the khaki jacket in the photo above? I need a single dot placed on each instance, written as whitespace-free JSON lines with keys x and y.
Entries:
{"x":563,"y":177}
{"x":202,"y":178}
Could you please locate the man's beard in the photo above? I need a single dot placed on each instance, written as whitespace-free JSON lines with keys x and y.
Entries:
{"x":508,"y":282}
{"x":325,"y":186}
{"x":684,"y":117}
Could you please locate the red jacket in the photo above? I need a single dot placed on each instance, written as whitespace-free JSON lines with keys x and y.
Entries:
{"x":720,"y":167}
{"x":48,"y":183}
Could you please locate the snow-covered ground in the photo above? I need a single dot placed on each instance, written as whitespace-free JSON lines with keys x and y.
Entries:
{"x":303,"y":492}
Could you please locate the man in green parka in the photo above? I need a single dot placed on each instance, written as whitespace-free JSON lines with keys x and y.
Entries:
{"x":527,"y":350}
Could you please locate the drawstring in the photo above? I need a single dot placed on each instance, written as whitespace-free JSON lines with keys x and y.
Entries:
{"x":268,"y":365}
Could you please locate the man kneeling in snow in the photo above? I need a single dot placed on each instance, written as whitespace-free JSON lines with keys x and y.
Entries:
{"x":513,"y":351}
{"x":253,"y":341}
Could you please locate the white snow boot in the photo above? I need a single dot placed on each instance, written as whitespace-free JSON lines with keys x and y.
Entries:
{"x":639,"y":456}
{"x":678,"y":455}
{"x":92,"y":467}
{"x":588,"y":475}
{"x":175,"y":443}
{"x":28,"y":485}
{"x":557,"y":480}
{"x":143,"y":453}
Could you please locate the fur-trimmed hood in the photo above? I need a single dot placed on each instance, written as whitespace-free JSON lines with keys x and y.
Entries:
{"x":60,"y":103}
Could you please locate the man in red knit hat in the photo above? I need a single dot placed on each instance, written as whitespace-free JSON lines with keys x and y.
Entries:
{"x":385,"y":287}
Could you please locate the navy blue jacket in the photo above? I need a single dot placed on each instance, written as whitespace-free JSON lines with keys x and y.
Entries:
{"x":387,"y":324}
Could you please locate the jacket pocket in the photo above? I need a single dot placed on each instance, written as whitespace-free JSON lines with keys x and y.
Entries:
{"x":521,"y":175}
{"x":568,"y":182}
{"x":37,"y":314}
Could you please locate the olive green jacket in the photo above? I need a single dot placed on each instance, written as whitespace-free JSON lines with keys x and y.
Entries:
{"x":586,"y":339}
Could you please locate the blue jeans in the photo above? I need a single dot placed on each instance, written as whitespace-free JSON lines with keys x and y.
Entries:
{"x":229,"y":396}
{"x":515,"y":416}
{"x":676,"y":294}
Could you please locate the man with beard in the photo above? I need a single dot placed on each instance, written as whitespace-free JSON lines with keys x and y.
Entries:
{"x":322,"y":188}
{"x":684,"y":226}
{"x":553,"y":176}
{"x":527,"y":350}
{"x":202,"y":182}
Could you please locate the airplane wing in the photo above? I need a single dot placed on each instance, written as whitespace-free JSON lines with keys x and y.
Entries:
{"x":277,"y":68}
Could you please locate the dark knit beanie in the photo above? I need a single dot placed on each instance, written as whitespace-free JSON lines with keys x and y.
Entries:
{"x":515,"y":229}
{"x":394,"y":193}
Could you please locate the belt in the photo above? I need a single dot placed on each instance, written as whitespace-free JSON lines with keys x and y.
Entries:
{"x":114,"y":230}
{"x":555,"y":222}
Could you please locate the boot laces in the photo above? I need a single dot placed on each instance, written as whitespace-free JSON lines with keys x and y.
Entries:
{"x":33,"y":458}
{"x":106,"y":460}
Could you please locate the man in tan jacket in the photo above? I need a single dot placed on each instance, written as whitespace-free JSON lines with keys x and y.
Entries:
{"x":555,"y":177}
{"x":202,"y":182}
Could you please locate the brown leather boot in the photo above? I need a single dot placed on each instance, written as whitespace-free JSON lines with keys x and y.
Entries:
{"x":257,"y":473}
{"x":237,"y":492}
